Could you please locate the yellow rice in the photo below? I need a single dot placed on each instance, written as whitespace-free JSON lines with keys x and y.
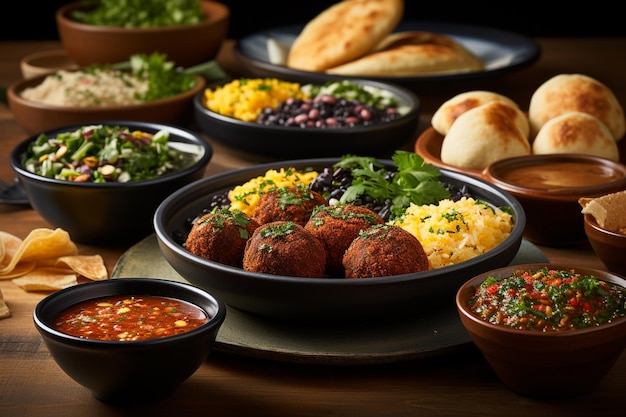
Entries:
{"x":245,"y":197}
{"x":453,"y":232}
{"x":244,"y":98}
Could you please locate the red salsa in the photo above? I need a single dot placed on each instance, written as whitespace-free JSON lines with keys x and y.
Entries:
{"x":548,"y":300}
{"x":129,"y":318}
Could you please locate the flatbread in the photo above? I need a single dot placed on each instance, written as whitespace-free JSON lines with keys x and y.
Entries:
{"x":411,"y":54}
{"x":576,"y":132}
{"x":576,"y":92}
{"x":483,"y":135}
{"x":344,"y":32}
{"x":452,"y":108}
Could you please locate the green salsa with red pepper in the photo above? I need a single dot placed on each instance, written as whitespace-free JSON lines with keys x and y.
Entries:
{"x":548,"y":300}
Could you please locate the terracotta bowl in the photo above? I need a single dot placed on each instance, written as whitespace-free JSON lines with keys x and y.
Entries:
{"x":46,"y":62}
{"x":35,"y":117}
{"x":130,"y":371}
{"x":113,"y":212}
{"x":609,"y":246}
{"x":186,"y":45}
{"x":551,"y":364}
{"x":549,"y":186}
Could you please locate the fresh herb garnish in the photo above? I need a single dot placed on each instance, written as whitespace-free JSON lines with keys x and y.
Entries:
{"x":414,"y":181}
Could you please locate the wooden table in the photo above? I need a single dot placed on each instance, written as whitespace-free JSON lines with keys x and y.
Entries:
{"x":459,"y":384}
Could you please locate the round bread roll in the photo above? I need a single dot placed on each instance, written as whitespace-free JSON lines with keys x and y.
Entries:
{"x":412,"y":53}
{"x":483,"y":135}
{"x":576,"y":92}
{"x":451,"y":109}
{"x":343,"y":32}
{"x":576,"y":132}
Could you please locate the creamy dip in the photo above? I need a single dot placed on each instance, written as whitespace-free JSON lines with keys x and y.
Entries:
{"x":98,"y":88}
{"x":560,"y":175}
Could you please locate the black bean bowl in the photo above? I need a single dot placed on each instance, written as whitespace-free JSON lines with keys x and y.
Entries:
{"x":108,"y":213}
{"x":131,"y":371}
{"x":322,"y":299}
{"x":295,"y":142}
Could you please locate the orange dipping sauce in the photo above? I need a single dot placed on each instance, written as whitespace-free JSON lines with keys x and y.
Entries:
{"x":560,"y":175}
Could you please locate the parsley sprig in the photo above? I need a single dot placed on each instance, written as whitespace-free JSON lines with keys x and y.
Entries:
{"x":414,"y":181}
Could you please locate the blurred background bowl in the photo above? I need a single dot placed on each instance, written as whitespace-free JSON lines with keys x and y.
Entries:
{"x":321,"y":299}
{"x":35,"y":117}
{"x":608,"y":245}
{"x":131,"y":371}
{"x":186,"y":45}
{"x":297,"y":142}
{"x":553,"y":364}
{"x":549,"y":186}
{"x":107,"y":213}
{"x":46,"y":62}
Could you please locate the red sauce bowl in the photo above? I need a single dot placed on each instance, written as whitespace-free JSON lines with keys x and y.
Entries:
{"x":132,"y":371}
{"x":548,"y":365}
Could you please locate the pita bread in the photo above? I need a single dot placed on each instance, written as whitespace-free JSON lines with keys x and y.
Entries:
{"x":483,"y":135}
{"x":576,"y":92}
{"x":410,"y":54}
{"x":608,"y":210}
{"x":451,"y":109}
{"x":576,"y":132}
{"x":344,"y":32}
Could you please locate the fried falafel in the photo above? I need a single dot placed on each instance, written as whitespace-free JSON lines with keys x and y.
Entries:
{"x":384,"y":250}
{"x":221,"y":236}
{"x":284,"y":248}
{"x":336,"y":227}
{"x":292,"y":203}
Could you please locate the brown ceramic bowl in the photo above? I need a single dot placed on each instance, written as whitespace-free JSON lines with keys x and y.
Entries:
{"x":549,"y":186}
{"x":545,"y":364}
{"x":609,"y":246}
{"x":35,"y":117}
{"x":186,"y":45}
{"x":46,"y":62}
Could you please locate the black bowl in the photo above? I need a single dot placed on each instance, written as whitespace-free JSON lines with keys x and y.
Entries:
{"x":295,"y":142}
{"x":321,"y":299}
{"x":134,"y":371}
{"x":109,"y":213}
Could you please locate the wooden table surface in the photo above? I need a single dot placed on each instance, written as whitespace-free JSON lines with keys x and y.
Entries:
{"x":450,"y":384}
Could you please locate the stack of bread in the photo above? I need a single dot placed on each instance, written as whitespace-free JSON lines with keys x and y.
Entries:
{"x":569,"y":113}
{"x":354,"y":38}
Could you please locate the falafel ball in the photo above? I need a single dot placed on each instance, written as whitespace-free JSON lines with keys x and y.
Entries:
{"x":221,"y":236}
{"x":284,"y":248}
{"x":292,"y":203}
{"x":336,"y":227}
{"x":384,"y":250}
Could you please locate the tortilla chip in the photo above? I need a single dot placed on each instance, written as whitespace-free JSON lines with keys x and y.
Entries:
{"x":608,"y":210}
{"x":41,"y":244}
{"x":9,"y":245}
{"x":46,"y":279}
{"x":88,"y":266}
{"x":4,"y":308}
{"x":20,"y":269}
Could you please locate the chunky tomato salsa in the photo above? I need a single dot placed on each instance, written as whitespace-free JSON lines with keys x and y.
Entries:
{"x":548,"y":300}
{"x":129,"y":318}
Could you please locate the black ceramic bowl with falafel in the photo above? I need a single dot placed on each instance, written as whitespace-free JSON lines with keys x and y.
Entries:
{"x":338,"y":238}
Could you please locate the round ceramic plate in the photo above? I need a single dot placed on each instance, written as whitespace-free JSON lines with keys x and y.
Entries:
{"x":501,"y":52}
{"x":366,"y":343}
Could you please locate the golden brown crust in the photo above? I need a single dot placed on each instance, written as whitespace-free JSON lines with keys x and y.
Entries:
{"x":412,"y":53}
{"x":576,"y":132}
{"x":576,"y":92}
{"x":344,"y":32}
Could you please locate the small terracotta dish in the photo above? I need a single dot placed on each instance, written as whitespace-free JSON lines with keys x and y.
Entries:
{"x":549,"y":186}
{"x":551,"y":364}
{"x":609,"y":246}
{"x":133,"y":371}
{"x":186,"y":45}
{"x":46,"y":62}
